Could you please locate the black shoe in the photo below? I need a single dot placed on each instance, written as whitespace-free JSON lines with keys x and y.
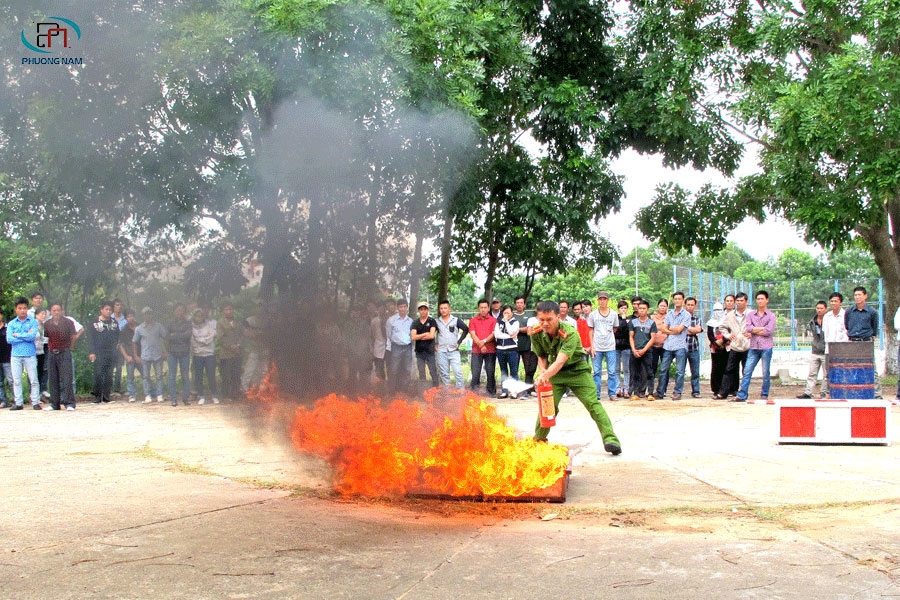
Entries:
{"x":16,"y":407}
{"x":613,"y":448}
{"x":95,"y":401}
{"x":105,"y":400}
{"x":36,"y":407}
{"x":804,"y":396}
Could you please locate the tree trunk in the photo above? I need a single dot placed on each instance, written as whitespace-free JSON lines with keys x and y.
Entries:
{"x":888,"y":261}
{"x":446,"y":245}
{"x":419,"y":204}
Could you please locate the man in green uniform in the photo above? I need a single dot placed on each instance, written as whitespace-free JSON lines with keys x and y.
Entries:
{"x":561,"y":358}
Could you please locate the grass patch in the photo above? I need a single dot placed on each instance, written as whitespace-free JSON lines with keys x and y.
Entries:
{"x":146,"y":451}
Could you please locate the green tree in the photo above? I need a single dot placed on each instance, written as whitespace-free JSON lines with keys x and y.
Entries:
{"x":813,"y":85}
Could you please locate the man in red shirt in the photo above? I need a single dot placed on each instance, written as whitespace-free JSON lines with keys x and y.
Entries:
{"x":60,"y":334}
{"x":484,"y":350}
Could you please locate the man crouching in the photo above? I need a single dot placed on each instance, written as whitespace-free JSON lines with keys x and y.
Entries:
{"x":561,"y":359}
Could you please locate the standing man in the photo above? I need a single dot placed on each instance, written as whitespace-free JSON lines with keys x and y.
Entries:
{"x":602,"y":324}
{"x":423,"y":333}
{"x":641,"y":330}
{"x":623,"y":351}
{"x":760,"y":330}
{"x":675,"y":326}
{"x":60,"y":334}
{"x":833,"y":327}
{"x":150,"y":335}
{"x":738,"y":345}
{"x":693,"y":346}
{"x":130,"y":353}
{"x":559,"y":354}
{"x":484,"y":349}
{"x":119,"y":317}
{"x":817,"y":357}
{"x":861,"y":322}
{"x":451,"y":331}
{"x":20,"y":334}
{"x":378,"y":341}
{"x":564,"y":314}
{"x":399,"y":342}
{"x":37,"y":304}
{"x":5,"y":367}
{"x":178,"y":343}
{"x":659,"y":339}
{"x":229,"y":353}
{"x":203,"y":354}
{"x":104,"y":340}
{"x":584,"y":330}
{"x":496,"y":305}
{"x":523,"y":342}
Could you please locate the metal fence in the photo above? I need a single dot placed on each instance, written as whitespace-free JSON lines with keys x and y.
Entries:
{"x":793,"y":302}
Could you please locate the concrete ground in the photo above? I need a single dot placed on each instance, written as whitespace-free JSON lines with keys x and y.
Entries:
{"x":151,"y":501}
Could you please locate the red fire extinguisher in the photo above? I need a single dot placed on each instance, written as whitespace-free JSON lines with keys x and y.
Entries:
{"x":546,"y":409}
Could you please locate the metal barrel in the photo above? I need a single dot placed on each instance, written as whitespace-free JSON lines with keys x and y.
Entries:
{"x":851,"y":370}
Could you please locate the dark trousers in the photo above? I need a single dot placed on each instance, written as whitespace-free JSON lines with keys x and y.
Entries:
{"x":640,"y":372}
{"x":199,"y":364}
{"x":489,"y":361}
{"x":399,"y":368}
{"x":59,"y":378}
{"x":429,"y":359}
{"x":230,"y":374}
{"x":719,"y":364}
{"x":42,"y":370}
{"x":655,"y":355}
{"x":732,"y":378}
{"x":530,"y":361}
{"x":103,"y":369}
{"x":379,"y":367}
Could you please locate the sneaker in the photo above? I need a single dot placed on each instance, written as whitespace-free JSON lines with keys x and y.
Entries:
{"x":37,"y":406}
{"x":635,"y":397}
{"x":159,"y":399}
{"x":613,"y":448}
{"x":49,"y":408}
{"x":95,"y":401}
{"x":70,"y":407}
{"x":695,"y":395}
{"x":45,"y":394}
{"x":175,"y":402}
{"x":675,"y":396}
{"x":132,"y":399}
{"x":502,"y":395}
{"x":186,"y":403}
{"x":650,"y":398}
{"x":17,"y":407}
{"x":215,"y":400}
{"x":202,"y":400}
{"x":804,"y":396}
{"x":148,"y":399}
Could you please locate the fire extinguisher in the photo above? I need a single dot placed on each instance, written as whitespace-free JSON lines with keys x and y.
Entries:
{"x":546,"y":409}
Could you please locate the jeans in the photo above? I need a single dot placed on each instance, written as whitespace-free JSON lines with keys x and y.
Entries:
{"x":103,"y":368}
{"x":753,"y":357}
{"x":623,"y":366}
{"x":489,"y":362}
{"x":146,"y":367}
{"x":612,"y":377}
{"x":693,"y":359}
{"x":655,"y":353}
{"x":201,"y":364}
{"x":176,"y":362}
{"x":5,"y":375}
{"x":509,"y":365}
{"x":25,"y":365}
{"x":450,"y":360}
{"x":130,"y":368}
{"x":230,"y":375}
{"x":680,"y":357}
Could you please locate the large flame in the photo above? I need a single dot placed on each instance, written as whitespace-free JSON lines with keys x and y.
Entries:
{"x":453,"y":443}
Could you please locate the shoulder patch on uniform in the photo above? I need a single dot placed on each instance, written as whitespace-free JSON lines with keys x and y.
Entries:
{"x":562,"y":333}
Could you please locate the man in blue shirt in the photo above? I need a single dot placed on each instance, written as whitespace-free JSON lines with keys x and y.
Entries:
{"x":676,"y":325}
{"x":861,"y":322}
{"x":20,"y":333}
{"x":399,"y":342}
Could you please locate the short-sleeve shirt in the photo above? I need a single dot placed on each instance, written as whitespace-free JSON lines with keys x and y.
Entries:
{"x":604,"y":334}
{"x":482,"y":328}
{"x":419,"y":327}
{"x":566,"y":342}
{"x":677,"y":341}
{"x":643,"y":331}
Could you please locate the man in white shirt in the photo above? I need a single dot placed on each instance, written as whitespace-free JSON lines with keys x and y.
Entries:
{"x":833,"y":327}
